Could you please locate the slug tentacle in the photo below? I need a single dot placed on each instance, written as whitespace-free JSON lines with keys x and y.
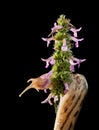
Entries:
{"x":27,"y":88}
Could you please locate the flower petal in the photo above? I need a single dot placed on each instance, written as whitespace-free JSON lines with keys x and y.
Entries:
{"x":48,"y":99}
{"x":76,"y":41}
{"x":74,"y":30}
{"x":48,"y":40}
{"x":64,"y":46}
{"x":56,"y":27}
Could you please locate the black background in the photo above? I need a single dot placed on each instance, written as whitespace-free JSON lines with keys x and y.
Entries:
{"x":26,"y":23}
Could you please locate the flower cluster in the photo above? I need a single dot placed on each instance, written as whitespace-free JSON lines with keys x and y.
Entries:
{"x":63,"y":62}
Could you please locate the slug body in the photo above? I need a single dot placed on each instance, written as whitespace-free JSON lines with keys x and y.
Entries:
{"x":71,"y":103}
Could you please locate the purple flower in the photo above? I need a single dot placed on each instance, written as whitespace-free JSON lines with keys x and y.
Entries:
{"x":64,"y":46}
{"x":47,"y":75}
{"x":74,"y":30}
{"x":48,"y":61}
{"x":45,"y":90}
{"x":48,"y":99}
{"x":55,"y":99}
{"x":66,"y":87}
{"x":78,"y":61}
{"x":56,"y":27}
{"x":75,"y":61}
{"x":48,"y":40}
{"x":76,"y":41}
{"x":72,"y":64}
{"x":47,"y":79}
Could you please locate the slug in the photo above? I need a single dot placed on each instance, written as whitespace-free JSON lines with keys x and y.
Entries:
{"x":40,"y":83}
